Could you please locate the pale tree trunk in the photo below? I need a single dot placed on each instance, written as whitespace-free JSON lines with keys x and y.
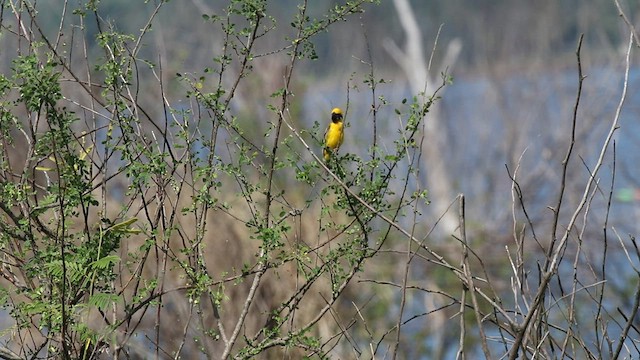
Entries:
{"x":421,"y":79}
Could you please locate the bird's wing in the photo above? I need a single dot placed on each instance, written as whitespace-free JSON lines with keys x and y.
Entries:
{"x":326,"y":133}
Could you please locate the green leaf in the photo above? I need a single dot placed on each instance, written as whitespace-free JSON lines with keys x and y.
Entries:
{"x":103,"y":301}
{"x":106,"y":262}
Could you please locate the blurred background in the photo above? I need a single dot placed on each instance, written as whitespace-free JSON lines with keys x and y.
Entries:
{"x":511,"y":99}
{"x":509,"y":105}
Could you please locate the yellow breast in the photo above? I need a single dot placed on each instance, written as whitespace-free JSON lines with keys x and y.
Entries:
{"x":335,"y":135}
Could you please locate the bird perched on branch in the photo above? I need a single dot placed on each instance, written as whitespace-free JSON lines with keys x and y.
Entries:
{"x":334,"y":135}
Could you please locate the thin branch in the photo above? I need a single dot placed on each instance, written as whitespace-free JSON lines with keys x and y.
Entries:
{"x":466,"y":268}
{"x":555,"y":257}
{"x":628,"y":22}
{"x":262,"y":268}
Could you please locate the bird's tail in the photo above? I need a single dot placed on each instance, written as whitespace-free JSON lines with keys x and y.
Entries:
{"x":326,"y":153}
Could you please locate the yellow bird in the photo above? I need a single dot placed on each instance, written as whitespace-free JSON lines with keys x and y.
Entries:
{"x":334,"y":135}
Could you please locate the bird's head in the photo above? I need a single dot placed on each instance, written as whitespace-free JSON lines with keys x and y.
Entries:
{"x":336,"y":114}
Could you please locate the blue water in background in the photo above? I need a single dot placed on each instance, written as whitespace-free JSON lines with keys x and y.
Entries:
{"x":491,"y":122}
{"x":485,"y":116}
